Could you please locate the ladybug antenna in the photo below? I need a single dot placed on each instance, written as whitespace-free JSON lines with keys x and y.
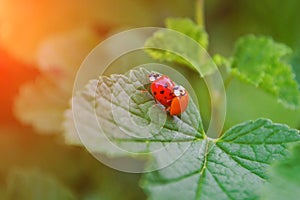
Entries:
{"x":179,"y":90}
{"x":153,"y":76}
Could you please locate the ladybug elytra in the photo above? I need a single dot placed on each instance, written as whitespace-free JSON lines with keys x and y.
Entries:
{"x":180,"y":101}
{"x":162,"y":88}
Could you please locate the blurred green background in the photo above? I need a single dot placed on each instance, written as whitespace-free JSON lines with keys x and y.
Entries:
{"x":34,"y":161}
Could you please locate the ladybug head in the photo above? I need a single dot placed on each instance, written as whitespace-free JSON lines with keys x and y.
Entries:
{"x":178,"y":90}
{"x":153,"y":76}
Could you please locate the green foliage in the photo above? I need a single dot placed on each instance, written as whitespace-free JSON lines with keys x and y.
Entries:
{"x":183,"y":42}
{"x":285,"y":179}
{"x":239,"y":165}
{"x":35,"y":185}
{"x":231,"y":167}
{"x":295,"y":60}
{"x":245,"y":102}
{"x":257,"y":61}
{"x":128,"y":125}
{"x":260,"y":62}
{"x":189,"y":28}
{"x":222,"y":61}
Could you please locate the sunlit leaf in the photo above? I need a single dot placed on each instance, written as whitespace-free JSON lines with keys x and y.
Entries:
{"x":189,"y":28}
{"x":114,"y":110}
{"x":183,"y":42}
{"x":260,"y":62}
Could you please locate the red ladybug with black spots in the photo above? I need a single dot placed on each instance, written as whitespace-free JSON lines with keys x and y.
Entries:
{"x":165,"y":91}
{"x":162,"y":88}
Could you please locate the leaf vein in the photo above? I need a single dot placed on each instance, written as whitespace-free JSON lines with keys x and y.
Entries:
{"x":220,"y":185}
{"x":240,"y":164}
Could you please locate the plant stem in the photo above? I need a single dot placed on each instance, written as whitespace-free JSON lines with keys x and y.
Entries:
{"x":216,"y":87}
{"x":200,"y":12}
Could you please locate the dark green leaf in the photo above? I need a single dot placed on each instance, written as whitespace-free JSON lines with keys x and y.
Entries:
{"x":232,"y":167}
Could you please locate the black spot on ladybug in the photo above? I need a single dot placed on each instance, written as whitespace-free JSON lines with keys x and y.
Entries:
{"x":154,"y":93}
{"x":171,"y":94}
{"x":162,"y":91}
{"x":165,"y":97}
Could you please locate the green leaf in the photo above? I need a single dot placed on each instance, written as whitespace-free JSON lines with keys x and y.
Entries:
{"x":191,"y":165}
{"x":183,"y":42}
{"x":295,"y":62}
{"x":35,"y":185}
{"x":118,"y":117}
{"x":285,"y":179}
{"x":260,"y":62}
{"x":189,"y":28}
{"x":232,"y":167}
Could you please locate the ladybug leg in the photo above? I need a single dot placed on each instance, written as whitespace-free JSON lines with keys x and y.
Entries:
{"x":156,"y":102}
{"x":142,"y":91}
{"x":145,"y":88}
{"x":167,"y":109}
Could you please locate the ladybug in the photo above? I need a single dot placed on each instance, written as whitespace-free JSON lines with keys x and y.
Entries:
{"x":162,"y":88}
{"x":174,"y":97}
{"x":180,"y":101}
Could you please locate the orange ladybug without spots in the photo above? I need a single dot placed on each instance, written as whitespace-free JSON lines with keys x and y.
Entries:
{"x":180,"y":101}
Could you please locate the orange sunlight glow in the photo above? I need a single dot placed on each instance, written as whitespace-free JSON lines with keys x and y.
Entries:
{"x":13,"y":74}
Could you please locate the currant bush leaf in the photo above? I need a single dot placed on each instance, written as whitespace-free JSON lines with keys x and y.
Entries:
{"x":35,"y":185}
{"x":183,"y":42}
{"x":117,"y":117}
{"x":189,"y":28}
{"x":295,"y":61}
{"x":232,"y":167}
{"x":285,"y":179}
{"x":260,"y":62}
